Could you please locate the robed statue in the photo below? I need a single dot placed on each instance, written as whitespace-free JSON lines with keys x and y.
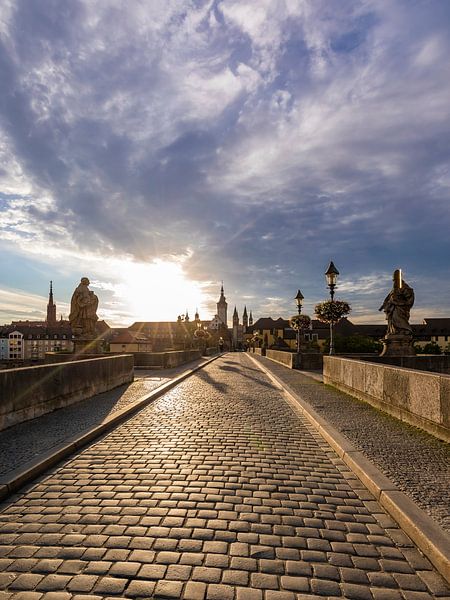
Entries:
{"x":83,"y":311}
{"x":397,"y":306}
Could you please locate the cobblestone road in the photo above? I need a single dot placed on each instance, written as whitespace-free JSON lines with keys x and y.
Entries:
{"x":417,"y":462}
{"x":208,"y":495}
{"x":26,"y":441}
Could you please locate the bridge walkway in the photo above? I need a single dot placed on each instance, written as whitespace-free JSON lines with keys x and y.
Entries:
{"x":216,"y":491}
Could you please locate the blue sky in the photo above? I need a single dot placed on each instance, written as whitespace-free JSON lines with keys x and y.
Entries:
{"x":160,"y":147}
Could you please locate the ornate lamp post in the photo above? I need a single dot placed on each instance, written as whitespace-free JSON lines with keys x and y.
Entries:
{"x":331,"y":276}
{"x":299,"y":299}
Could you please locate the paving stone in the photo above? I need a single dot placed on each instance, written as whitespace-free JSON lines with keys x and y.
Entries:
{"x":110,"y":585}
{"x":195,"y":590}
{"x":279,"y":595}
{"x":356,"y":592}
{"x":248,"y":594}
{"x":168,"y":589}
{"x":26,"y":582}
{"x":53,"y":582}
{"x":264,"y":581}
{"x":323,"y":587}
{"x":219,"y":592}
{"x":82,"y":583}
{"x":206,"y":574}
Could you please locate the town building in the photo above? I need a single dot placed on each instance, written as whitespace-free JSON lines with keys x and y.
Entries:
{"x":30,"y":340}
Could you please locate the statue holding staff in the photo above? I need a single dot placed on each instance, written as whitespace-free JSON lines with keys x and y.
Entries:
{"x":397,"y":306}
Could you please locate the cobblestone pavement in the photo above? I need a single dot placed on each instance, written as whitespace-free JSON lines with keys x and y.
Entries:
{"x":216,"y":491}
{"x":24,"y":442}
{"x":418,"y":463}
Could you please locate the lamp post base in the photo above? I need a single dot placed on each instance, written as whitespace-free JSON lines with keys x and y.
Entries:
{"x":397,"y":345}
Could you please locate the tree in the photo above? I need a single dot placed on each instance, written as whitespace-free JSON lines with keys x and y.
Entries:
{"x":430,"y":348}
{"x":355,"y":344}
{"x":332,"y":311}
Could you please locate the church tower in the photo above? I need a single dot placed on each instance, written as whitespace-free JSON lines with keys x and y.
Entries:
{"x":222,"y":306}
{"x":250,"y":321}
{"x":51,"y":308}
{"x":245,"y":319}
{"x":235,"y":318}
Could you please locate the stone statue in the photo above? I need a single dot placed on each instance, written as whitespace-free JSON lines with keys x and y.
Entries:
{"x":397,"y":306}
{"x":83,"y":311}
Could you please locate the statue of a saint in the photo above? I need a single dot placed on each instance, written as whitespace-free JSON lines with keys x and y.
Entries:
{"x":397,"y":306}
{"x":83,"y":311}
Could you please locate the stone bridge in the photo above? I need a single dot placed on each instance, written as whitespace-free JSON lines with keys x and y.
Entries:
{"x":236,"y":480}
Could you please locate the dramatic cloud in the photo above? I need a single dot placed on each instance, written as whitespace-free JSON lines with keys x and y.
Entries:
{"x":243,"y":140}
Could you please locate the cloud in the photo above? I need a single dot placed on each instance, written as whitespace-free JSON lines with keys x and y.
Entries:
{"x":232,"y":135}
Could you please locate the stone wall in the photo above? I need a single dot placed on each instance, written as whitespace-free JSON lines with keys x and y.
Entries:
{"x":29,"y":392}
{"x":285,"y":358}
{"x":417,"y":397}
{"x":260,"y":351}
{"x":439,"y":363}
{"x":164,"y":360}
{"x":307,"y":361}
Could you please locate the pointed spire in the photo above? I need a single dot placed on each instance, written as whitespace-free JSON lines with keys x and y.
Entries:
{"x":186,"y":316}
{"x":245,"y":311}
{"x":51,"y":307}
{"x":235,"y":311}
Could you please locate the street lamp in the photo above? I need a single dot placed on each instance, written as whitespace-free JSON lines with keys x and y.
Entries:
{"x":331,"y":276}
{"x":299,"y":299}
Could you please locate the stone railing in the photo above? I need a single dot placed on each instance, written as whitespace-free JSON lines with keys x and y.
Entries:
{"x":306,"y":361}
{"x":29,"y":392}
{"x":285,"y":358}
{"x":416,"y":397}
{"x":164,"y":360}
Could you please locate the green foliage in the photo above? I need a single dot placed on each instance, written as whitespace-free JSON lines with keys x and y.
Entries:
{"x":430,"y":348}
{"x":300,"y":322}
{"x":332,"y":312}
{"x":354,"y":344}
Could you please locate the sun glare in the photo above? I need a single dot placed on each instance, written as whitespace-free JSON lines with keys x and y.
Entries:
{"x":159,"y":291}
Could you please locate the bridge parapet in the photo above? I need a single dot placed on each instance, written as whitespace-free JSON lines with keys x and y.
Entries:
{"x":417,"y":397}
{"x":29,"y":392}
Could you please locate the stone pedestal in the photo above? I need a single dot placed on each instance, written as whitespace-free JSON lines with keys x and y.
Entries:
{"x":87,"y":347}
{"x":398,"y":345}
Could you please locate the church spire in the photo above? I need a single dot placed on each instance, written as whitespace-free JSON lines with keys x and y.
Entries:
{"x":51,"y":308}
{"x":245,"y":318}
{"x":222,"y":307}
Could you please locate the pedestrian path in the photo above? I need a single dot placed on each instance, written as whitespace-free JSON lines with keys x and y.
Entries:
{"x":27,"y":441}
{"x":216,"y":491}
{"x":417,"y":462}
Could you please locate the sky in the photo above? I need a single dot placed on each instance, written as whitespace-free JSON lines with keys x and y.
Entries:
{"x":161,"y":147}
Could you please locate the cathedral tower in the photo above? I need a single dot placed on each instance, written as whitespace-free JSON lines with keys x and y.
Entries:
{"x":51,"y":308}
{"x":222,"y":306}
{"x":235,"y":318}
{"x":245,"y":318}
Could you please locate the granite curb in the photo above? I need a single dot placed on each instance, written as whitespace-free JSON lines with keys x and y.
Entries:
{"x":14,"y":480}
{"x":430,"y":538}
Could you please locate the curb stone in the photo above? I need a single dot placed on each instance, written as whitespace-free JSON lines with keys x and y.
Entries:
{"x":14,"y":480}
{"x":430,"y":538}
